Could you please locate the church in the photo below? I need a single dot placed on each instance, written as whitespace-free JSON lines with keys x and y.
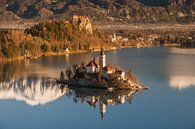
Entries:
{"x":93,"y":66}
{"x":106,"y":70}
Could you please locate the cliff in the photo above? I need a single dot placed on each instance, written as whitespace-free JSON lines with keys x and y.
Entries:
{"x":83,"y":23}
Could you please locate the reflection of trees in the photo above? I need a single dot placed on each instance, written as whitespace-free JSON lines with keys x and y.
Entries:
{"x":102,"y":98}
{"x":7,"y":71}
{"x":13,"y":70}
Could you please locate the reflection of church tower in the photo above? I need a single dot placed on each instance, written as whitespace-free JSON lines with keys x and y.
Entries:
{"x":102,"y":59}
{"x":102,"y":109}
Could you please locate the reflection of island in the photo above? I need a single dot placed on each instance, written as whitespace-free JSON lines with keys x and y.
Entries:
{"x":104,"y":98}
{"x":182,"y":82}
{"x":33,"y":90}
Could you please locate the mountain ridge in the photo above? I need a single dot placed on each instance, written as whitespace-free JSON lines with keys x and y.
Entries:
{"x":144,"y":11}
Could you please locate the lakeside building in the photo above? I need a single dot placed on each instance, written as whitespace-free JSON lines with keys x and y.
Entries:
{"x":115,"y":38}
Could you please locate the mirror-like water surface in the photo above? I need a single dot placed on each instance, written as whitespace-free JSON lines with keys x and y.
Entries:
{"x":30,"y":98}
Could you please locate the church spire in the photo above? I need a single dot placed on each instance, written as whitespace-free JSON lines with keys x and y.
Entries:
{"x":102,"y":109}
{"x":102,"y":51}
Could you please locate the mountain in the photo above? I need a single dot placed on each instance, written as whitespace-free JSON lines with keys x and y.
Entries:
{"x":102,"y":10}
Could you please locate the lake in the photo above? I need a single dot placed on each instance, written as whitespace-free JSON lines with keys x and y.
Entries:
{"x":30,"y":98}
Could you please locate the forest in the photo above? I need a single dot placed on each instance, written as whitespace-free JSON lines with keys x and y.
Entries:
{"x":51,"y":36}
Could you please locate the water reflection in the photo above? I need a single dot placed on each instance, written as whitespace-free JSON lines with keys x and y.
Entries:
{"x":35,"y":90}
{"x":103,"y":98}
{"x":8,"y":71}
{"x":182,"y":82}
{"x":182,"y":51}
{"x":164,"y":107}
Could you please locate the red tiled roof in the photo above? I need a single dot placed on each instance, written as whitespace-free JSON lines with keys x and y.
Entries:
{"x":92,"y":63}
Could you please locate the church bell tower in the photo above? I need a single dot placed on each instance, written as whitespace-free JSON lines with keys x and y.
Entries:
{"x":102,"y":59}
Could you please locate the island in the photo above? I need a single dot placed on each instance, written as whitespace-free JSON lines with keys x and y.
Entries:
{"x":99,"y":76}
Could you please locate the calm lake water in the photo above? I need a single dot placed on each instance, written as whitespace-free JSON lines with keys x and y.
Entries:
{"x":30,"y":99}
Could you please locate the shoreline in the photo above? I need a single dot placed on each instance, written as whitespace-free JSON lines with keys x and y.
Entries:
{"x":46,"y":54}
{"x":69,"y":53}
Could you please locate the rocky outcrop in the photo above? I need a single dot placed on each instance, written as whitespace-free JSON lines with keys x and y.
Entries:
{"x":83,"y":23}
{"x":45,"y":13}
